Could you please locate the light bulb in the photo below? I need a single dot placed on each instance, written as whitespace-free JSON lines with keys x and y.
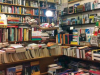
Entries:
{"x":49,"y":13}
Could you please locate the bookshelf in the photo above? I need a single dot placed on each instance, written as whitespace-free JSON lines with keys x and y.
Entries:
{"x":43,"y":68}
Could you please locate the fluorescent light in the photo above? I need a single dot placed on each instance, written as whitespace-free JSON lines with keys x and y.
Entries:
{"x":49,"y":13}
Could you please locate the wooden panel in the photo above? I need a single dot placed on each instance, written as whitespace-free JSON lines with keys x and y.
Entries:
{"x":73,"y":1}
{"x":48,"y":29}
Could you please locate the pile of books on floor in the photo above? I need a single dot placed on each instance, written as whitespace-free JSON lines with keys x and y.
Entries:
{"x":81,"y":52}
{"x":16,"y":52}
{"x":26,"y":68}
{"x":74,"y":68}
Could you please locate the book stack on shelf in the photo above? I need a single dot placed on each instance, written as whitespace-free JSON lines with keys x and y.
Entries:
{"x":73,"y":68}
{"x":16,"y":52}
{"x":28,"y":68}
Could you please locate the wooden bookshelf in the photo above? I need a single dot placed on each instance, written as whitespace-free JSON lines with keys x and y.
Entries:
{"x":11,"y":64}
{"x":48,"y":29}
{"x":73,"y":1}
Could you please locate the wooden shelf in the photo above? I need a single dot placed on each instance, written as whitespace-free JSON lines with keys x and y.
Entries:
{"x":19,"y":14}
{"x":73,"y":1}
{"x":12,"y":24}
{"x":48,"y":29}
{"x":31,"y":7}
{"x":48,"y":2}
{"x":80,"y":12}
{"x":28,"y":60}
{"x":10,"y":4}
{"x":21,"y":41}
{"x":92,"y":61}
{"x":18,"y":5}
{"x":47,"y":8}
{"x":44,"y":73}
{"x":64,"y":25}
{"x":80,"y":45}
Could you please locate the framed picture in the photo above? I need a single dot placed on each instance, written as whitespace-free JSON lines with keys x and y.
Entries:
{"x":71,"y":10}
{"x":94,"y":40}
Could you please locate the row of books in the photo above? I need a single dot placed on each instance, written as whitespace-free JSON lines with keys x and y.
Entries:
{"x":21,"y":33}
{"x":15,"y":34}
{"x":31,"y":68}
{"x":77,"y":35}
{"x":82,"y":39}
{"x":13,"y":19}
{"x":16,"y":52}
{"x":18,"y":10}
{"x":81,"y":8}
{"x":50,"y":6}
{"x":81,"y":52}
{"x":81,"y":19}
{"x":73,"y":68}
{"x":21,"y":2}
{"x":43,"y":19}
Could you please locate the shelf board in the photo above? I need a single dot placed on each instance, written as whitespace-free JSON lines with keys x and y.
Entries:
{"x":48,"y":29}
{"x":18,"y":14}
{"x":83,"y":59}
{"x":73,"y":1}
{"x":48,"y":2}
{"x":11,"y":4}
{"x":47,"y":8}
{"x":80,"y":45}
{"x":28,"y":60}
{"x":18,"y":5}
{"x":21,"y":41}
{"x":44,"y":73}
{"x":12,"y":24}
{"x":80,"y":12}
{"x":31,"y":7}
{"x":64,"y":25}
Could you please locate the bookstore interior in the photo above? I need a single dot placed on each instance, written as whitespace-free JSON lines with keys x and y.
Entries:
{"x":49,"y":37}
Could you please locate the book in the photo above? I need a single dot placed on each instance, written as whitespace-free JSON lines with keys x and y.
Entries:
{"x":11,"y":71}
{"x":26,"y":69}
{"x":35,"y":69}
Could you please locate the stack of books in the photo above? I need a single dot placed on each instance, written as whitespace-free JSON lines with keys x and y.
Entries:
{"x":16,"y":52}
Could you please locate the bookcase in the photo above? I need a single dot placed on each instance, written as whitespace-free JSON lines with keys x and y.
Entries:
{"x":69,"y":20}
{"x":16,"y":11}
